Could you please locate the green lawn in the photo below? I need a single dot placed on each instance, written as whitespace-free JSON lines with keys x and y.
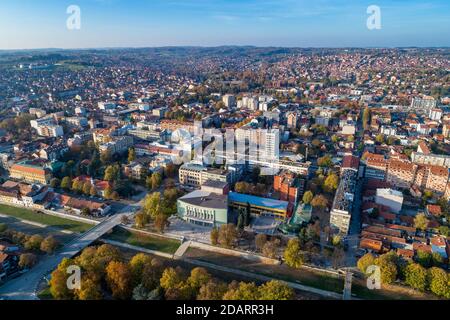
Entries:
{"x":57,"y":222}
{"x":144,"y":241}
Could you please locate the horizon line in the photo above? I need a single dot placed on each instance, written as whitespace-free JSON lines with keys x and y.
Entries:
{"x":223,"y":46}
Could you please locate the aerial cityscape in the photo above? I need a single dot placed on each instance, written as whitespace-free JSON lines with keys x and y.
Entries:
{"x":224,"y":172}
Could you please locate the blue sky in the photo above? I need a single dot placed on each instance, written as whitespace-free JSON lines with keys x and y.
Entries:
{"x":294,"y":23}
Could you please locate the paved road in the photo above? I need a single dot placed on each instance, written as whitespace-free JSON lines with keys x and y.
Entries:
{"x":24,"y":287}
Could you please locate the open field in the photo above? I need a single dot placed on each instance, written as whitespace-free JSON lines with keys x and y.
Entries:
{"x":311,"y":278}
{"x":15,"y":224}
{"x":305,"y":277}
{"x":144,"y":241}
{"x":48,"y":220}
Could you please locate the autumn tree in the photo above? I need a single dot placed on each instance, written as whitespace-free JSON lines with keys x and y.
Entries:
{"x":331,"y":182}
{"x":212,"y":290}
{"x":27,"y":260}
{"x":137,"y":265}
{"x":293,"y":255}
{"x":275,"y":290}
{"x":214,"y":236}
{"x":388,"y":267}
{"x":66,"y":183}
{"x":119,"y":279}
{"x":270,"y":248}
{"x":58,"y":281}
{"x":260,"y":241}
{"x":227,"y":235}
{"x":131,"y":155}
{"x":307,"y":197}
{"x":49,"y":245}
{"x":90,"y":290}
{"x":365,"y":261}
{"x":34,"y":242}
{"x":198,"y":277}
{"x":319,"y":201}
{"x":242,"y":291}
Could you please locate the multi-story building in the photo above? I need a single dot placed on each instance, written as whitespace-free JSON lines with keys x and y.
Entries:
{"x":229,"y":100}
{"x":118,"y":145}
{"x":433,"y":178}
{"x":288,"y":186}
{"x":376,"y":167}
{"x":30,"y":172}
{"x":425,"y":103}
{"x":292,"y":120}
{"x":401,"y":173}
{"x":50,"y":131}
{"x":258,"y":206}
{"x":194,"y":175}
{"x":435,"y":114}
{"x":341,"y":210}
{"x":446,"y":130}
{"x":431,"y":159}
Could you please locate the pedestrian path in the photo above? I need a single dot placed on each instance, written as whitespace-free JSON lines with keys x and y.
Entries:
{"x":182,"y":249}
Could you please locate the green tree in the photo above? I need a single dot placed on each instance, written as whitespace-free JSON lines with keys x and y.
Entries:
{"x":424,"y":258}
{"x":388,"y":267}
{"x":307,"y":197}
{"x":242,"y":291}
{"x":131,"y":155}
{"x":439,"y":282}
{"x":331,"y":183}
{"x":171,"y":278}
{"x":380,"y":138}
{"x":421,"y":222}
{"x":293,"y":255}
{"x":276,"y":290}
{"x":66,"y":183}
{"x":54,"y":183}
{"x":416,"y":276}
{"x":112,"y":173}
{"x":155,"y":181}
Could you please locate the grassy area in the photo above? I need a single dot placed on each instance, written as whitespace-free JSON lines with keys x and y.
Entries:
{"x":387,"y":292}
{"x":144,"y":241}
{"x":304,"y":276}
{"x":45,"y":294}
{"x":57,"y":222}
